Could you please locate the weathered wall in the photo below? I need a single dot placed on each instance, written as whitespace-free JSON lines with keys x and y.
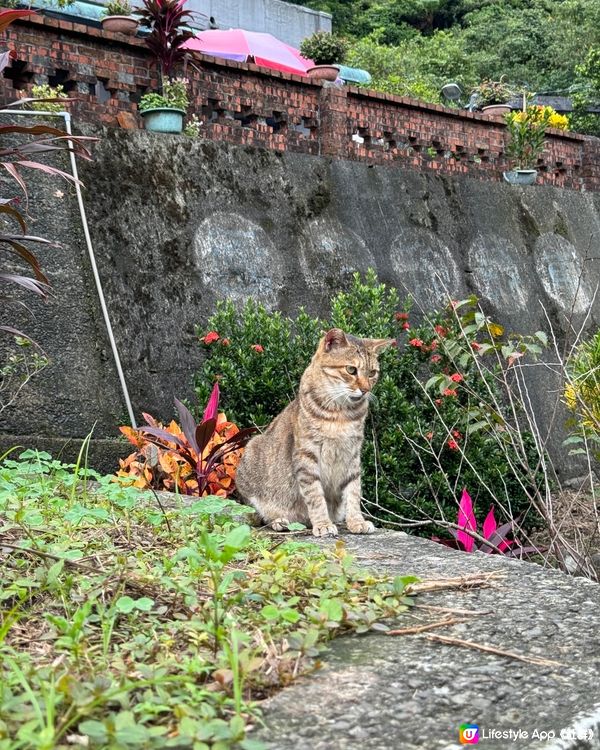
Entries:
{"x":179,"y":224}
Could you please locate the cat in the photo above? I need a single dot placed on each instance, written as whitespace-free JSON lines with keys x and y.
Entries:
{"x":305,"y":467}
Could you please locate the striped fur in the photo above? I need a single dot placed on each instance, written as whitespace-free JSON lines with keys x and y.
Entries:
{"x":305,"y":467}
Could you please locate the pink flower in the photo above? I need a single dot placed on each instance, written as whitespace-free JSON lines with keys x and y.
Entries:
{"x":452,"y":444}
{"x":456,"y":434}
{"x":257,"y":348}
{"x":440,"y":330}
{"x":438,"y":402}
{"x":416,"y":342}
{"x":449,"y":392}
{"x":456,"y":377}
{"x":210,"y":337}
{"x":475,"y":346}
{"x":401,"y":316}
{"x":435,"y":358}
{"x":406,"y":326}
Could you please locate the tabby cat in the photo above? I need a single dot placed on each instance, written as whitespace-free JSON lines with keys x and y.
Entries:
{"x":305,"y":467}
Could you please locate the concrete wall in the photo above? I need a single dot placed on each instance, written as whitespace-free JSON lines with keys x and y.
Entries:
{"x":290,"y":23}
{"x":194,"y":222}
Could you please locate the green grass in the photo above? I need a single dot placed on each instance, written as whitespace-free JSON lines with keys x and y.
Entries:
{"x":126,"y":625}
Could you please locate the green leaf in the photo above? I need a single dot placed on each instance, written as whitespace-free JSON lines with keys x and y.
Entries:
{"x":95,"y":730}
{"x":145,"y":604}
{"x":125,"y":604}
{"x":270,"y":612}
{"x":295,"y":526}
{"x":54,"y":572}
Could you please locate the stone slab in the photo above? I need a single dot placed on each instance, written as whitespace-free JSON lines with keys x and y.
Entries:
{"x":408,"y":693}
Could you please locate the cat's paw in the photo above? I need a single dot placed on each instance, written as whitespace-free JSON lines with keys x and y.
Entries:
{"x":280,"y":524}
{"x":360,"y":526}
{"x":325,"y":529}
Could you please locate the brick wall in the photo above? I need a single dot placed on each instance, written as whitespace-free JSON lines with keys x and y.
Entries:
{"x":245,"y":104}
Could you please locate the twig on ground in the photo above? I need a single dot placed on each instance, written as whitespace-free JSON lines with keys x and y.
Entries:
{"x":493,"y":650}
{"x":431,"y":626}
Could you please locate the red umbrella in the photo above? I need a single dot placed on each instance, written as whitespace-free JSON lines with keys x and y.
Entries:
{"x":240,"y":45}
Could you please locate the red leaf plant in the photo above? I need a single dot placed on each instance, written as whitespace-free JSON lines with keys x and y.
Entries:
{"x":194,"y":459}
{"x":497,"y":537}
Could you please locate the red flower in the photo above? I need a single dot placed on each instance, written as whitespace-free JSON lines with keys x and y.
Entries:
{"x":440,"y":330}
{"x":416,"y":342}
{"x":452,"y":444}
{"x":456,"y":378}
{"x":435,"y":358}
{"x":475,"y":346}
{"x":210,"y":337}
{"x":405,"y":326}
{"x":433,"y":345}
{"x":448,"y":392}
{"x":438,"y":402}
{"x":257,"y":348}
{"x":401,"y":316}
{"x":456,"y":434}
{"x":225,"y":342}
{"x":429,"y":435}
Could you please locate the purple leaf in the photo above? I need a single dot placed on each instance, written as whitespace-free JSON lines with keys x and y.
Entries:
{"x":163,"y":435}
{"x":212,"y":407}
{"x":466,"y":521}
{"x":188,"y":425}
{"x":204,"y":432}
{"x":489,"y":525}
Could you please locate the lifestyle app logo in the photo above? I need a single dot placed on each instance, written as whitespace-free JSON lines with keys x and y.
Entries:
{"x":468,"y":734}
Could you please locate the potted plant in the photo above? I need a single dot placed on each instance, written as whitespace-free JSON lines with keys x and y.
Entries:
{"x":493,"y":97}
{"x":163,"y":111}
{"x":526,"y":136}
{"x":117,"y":16}
{"x":324,"y":49}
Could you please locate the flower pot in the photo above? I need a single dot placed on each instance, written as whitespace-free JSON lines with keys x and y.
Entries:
{"x":324,"y":72}
{"x":123,"y":24}
{"x":496,"y":111}
{"x":163,"y":119}
{"x":521,"y":176}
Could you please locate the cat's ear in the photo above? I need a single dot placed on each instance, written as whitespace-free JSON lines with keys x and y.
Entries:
{"x":378,"y":345}
{"x":334,"y":337}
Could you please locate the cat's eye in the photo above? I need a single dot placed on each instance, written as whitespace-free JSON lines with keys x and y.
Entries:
{"x":351,"y":369}
{"x":372,"y":373}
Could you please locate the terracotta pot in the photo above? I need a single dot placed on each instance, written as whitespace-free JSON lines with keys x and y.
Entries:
{"x":324,"y":72}
{"x":496,"y":111}
{"x":122,"y":24}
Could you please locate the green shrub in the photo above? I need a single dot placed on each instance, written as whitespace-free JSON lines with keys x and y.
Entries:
{"x":324,"y":48}
{"x":435,"y":425}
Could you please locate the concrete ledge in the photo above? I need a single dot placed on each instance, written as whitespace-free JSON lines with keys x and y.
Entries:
{"x":408,"y":693}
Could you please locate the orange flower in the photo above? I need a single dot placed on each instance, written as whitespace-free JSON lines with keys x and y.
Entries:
{"x":448,"y":392}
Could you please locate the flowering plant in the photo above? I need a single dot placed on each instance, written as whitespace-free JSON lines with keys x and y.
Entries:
{"x":527,"y":133}
{"x":493,"y":92}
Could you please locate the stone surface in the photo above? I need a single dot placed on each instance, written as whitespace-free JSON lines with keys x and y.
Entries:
{"x":193,"y":222}
{"x":408,"y":693}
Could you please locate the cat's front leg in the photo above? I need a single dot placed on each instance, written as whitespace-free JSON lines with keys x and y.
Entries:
{"x":355,"y":521}
{"x":308,"y":477}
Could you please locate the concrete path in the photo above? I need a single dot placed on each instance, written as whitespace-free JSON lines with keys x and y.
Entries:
{"x":401,"y":693}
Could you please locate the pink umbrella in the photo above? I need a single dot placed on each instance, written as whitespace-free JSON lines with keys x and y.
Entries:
{"x":240,"y":45}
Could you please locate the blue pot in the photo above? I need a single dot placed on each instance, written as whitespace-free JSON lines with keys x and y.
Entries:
{"x":163,"y":119}
{"x":521,"y":176}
